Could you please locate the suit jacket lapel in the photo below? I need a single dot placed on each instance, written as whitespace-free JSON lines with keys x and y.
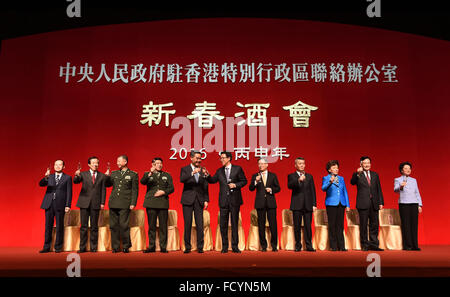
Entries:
{"x":222,"y":172}
{"x":269,"y":177}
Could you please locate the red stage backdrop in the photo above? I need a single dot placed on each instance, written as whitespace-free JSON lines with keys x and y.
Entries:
{"x":378,"y":93}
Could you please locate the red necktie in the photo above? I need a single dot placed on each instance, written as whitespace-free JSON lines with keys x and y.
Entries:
{"x":367,"y":176}
{"x":93,"y":178}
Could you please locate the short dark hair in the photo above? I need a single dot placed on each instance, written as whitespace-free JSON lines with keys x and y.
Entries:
{"x":299,"y":158}
{"x":157,"y":159}
{"x":90,"y":158}
{"x":125,"y":157}
{"x":228,"y":154}
{"x":332,"y":163}
{"x":194,"y":152}
{"x":402,"y":164}
{"x":64,"y":164}
{"x":363,"y":158}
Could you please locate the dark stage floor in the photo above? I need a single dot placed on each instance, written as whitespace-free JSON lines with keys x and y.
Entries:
{"x":432,"y":261}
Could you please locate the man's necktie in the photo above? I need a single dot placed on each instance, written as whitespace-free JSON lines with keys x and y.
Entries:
{"x":264,"y":175}
{"x":196,"y":177}
{"x":368,"y":178}
{"x":93,"y":178}
{"x":227,"y":173}
{"x":57,"y":179}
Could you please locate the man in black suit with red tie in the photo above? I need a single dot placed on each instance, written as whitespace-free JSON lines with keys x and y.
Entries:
{"x":303,"y":203}
{"x":231,"y":179}
{"x":57,"y":201}
{"x":369,"y":200}
{"x":266,"y":185}
{"x":91,"y":200}
{"x":194,"y":198}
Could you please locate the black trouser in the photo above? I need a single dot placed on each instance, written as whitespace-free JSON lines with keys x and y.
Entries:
{"x":197,"y":208}
{"x":307,"y":218}
{"x":119,"y":223}
{"x":409,"y":215}
{"x":50,"y":215}
{"x":224,"y":216}
{"x":370,"y":217}
{"x":336,"y":226}
{"x":85,"y":213}
{"x":163,"y":216}
{"x":272,"y":218}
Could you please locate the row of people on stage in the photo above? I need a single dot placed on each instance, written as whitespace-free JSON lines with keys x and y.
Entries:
{"x":231,"y":179}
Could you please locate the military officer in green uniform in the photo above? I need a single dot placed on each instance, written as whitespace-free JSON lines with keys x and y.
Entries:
{"x":122,"y":200}
{"x":159,"y":187}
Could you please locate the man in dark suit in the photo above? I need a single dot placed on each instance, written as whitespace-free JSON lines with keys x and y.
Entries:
{"x":369,"y":200}
{"x":90,"y":201}
{"x":122,"y":200}
{"x":195,"y":198}
{"x":231,"y":179}
{"x":57,"y":201}
{"x":303,"y":203}
{"x":266,"y":185}
{"x":159,"y":187}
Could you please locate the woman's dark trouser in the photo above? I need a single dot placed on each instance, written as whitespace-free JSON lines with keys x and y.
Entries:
{"x":409,"y":215}
{"x":336,"y":226}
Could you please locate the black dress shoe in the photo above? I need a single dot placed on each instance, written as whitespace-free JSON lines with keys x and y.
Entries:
{"x":407,"y":249}
{"x":93,"y":250}
{"x":274,"y":250}
{"x":43,"y":251}
{"x":238,"y":251}
{"x":164,"y":251}
{"x":149,"y":251}
{"x":58,"y":251}
{"x":264,"y":250}
{"x":115,"y":251}
{"x":187,"y":251}
{"x":81,"y":251}
{"x":364,"y":249}
{"x":310,"y":250}
{"x":298,"y":249}
{"x":224,"y":251}
{"x":376,"y":249}
{"x":343,"y":250}
{"x":416,"y":249}
{"x":200,"y":251}
{"x":126,"y":251}
{"x":333,"y":250}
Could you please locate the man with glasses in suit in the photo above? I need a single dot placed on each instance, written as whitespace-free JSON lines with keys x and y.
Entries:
{"x":266,"y":185}
{"x":231,"y":179}
{"x":57,"y":201}
{"x":194,"y":199}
